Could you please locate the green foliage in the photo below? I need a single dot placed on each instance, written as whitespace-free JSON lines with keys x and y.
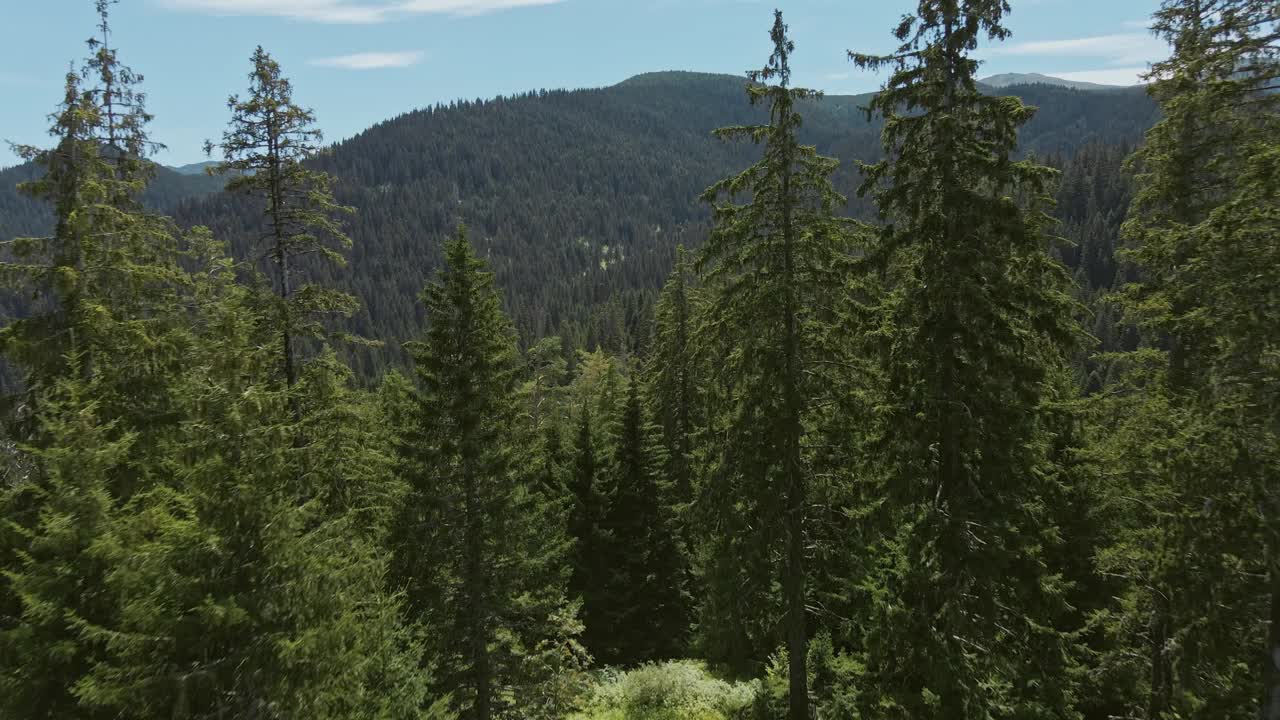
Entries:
{"x":646,"y":605}
{"x":471,"y":542}
{"x":55,"y":581}
{"x":964,"y":615}
{"x":769,"y":268}
{"x":263,"y":149}
{"x":1196,"y":411}
{"x":674,"y":376}
{"x":882,"y":462}
{"x":679,"y":690}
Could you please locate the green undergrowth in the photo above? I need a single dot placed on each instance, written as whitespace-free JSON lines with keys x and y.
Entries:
{"x":676,"y":690}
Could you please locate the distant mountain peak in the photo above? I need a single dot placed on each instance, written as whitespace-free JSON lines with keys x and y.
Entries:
{"x":672,"y":77}
{"x":1007,"y":79}
{"x":197,"y":168}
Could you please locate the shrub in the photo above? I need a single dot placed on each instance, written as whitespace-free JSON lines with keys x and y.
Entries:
{"x":678,"y":690}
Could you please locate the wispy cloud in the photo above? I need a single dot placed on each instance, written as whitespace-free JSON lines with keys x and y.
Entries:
{"x":468,"y":7}
{"x":349,"y":11}
{"x":371,"y":60}
{"x":1118,"y":49}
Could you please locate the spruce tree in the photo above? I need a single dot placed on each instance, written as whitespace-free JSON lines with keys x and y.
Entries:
{"x":962,"y":609}
{"x":57,"y":581}
{"x":1205,"y":393}
{"x":645,"y":601}
{"x":263,"y":150}
{"x":673,"y":374}
{"x":470,"y":544}
{"x":588,"y":580}
{"x":767,"y":265}
{"x":94,"y":355}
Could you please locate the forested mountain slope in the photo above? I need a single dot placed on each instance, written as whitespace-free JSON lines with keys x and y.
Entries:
{"x":578,"y":198}
{"x":21,"y":215}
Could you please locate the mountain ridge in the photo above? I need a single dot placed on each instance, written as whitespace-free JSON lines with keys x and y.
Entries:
{"x":578,"y":198}
{"x":1004,"y":80}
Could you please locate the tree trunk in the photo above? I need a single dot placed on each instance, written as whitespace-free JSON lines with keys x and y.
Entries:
{"x":1161,"y":680}
{"x":797,"y":637}
{"x":475,"y":581}
{"x":794,"y":577}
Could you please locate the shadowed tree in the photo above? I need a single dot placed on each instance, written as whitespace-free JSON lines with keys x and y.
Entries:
{"x":964,"y":612}
{"x":767,"y":266}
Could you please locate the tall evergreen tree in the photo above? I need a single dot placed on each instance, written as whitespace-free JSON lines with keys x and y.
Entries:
{"x":964,"y":612}
{"x":673,"y":374}
{"x":263,"y":148}
{"x":470,"y":544}
{"x":238,"y":591}
{"x":95,"y":350}
{"x":646,"y":601}
{"x":767,"y":265}
{"x":588,"y":579}
{"x":1205,"y":199}
{"x":105,"y":254}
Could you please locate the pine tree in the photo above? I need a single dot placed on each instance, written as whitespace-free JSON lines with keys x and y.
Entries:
{"x":264,"y":147}
{"x":235,"y":593}
{"x":94,"y":355}
{"x":470,"y":544}
{"x":646,"y":602}
{"x":963,"y":611}
{"x":673,"y":374}
{"x":767,"y":265}
{"x":1205,"y":394}
{"x":588,"y":580}
{"x":107,"y":265}
{"x":57,"y":582}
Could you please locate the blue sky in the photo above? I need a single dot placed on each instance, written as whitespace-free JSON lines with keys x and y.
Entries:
{"x":356,"y":62}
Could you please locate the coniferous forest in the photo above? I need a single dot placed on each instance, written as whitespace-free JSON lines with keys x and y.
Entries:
{"x":698,"y":398}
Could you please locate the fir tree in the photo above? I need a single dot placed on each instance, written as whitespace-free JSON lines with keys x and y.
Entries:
{"x":673,"y":374}
{"x":471,"y":541}
{"x":1205,"y":198}
{"x":767,"y":264}
{"x":646,"y":603}
{"x":268,"y":138}
{"x":588,"y":580}
{"x":97,"y":349}
{"x":963,"y":607}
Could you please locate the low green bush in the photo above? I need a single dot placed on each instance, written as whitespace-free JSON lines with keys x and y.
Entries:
{"x":677,"y":690}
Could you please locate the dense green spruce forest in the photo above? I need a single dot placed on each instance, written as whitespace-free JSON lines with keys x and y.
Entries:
{"x":694,"y":397}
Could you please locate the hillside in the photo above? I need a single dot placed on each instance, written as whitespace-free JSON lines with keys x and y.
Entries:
{"x":20,"y":215}
{"x":578,"y":198}
{"x":196,"y":168}
{"x":1007,"y":79}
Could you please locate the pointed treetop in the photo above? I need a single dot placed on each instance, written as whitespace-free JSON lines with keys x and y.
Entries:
{"x":779,"y":65}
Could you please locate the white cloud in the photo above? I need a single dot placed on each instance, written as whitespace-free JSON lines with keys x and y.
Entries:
{"x":349,"y":11}
{"x":371,"y":60}
{"x":330,"y":11}
{"x":467,"y":7}
{"x":1119,"y":49}
{"x":1108,"y":76}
